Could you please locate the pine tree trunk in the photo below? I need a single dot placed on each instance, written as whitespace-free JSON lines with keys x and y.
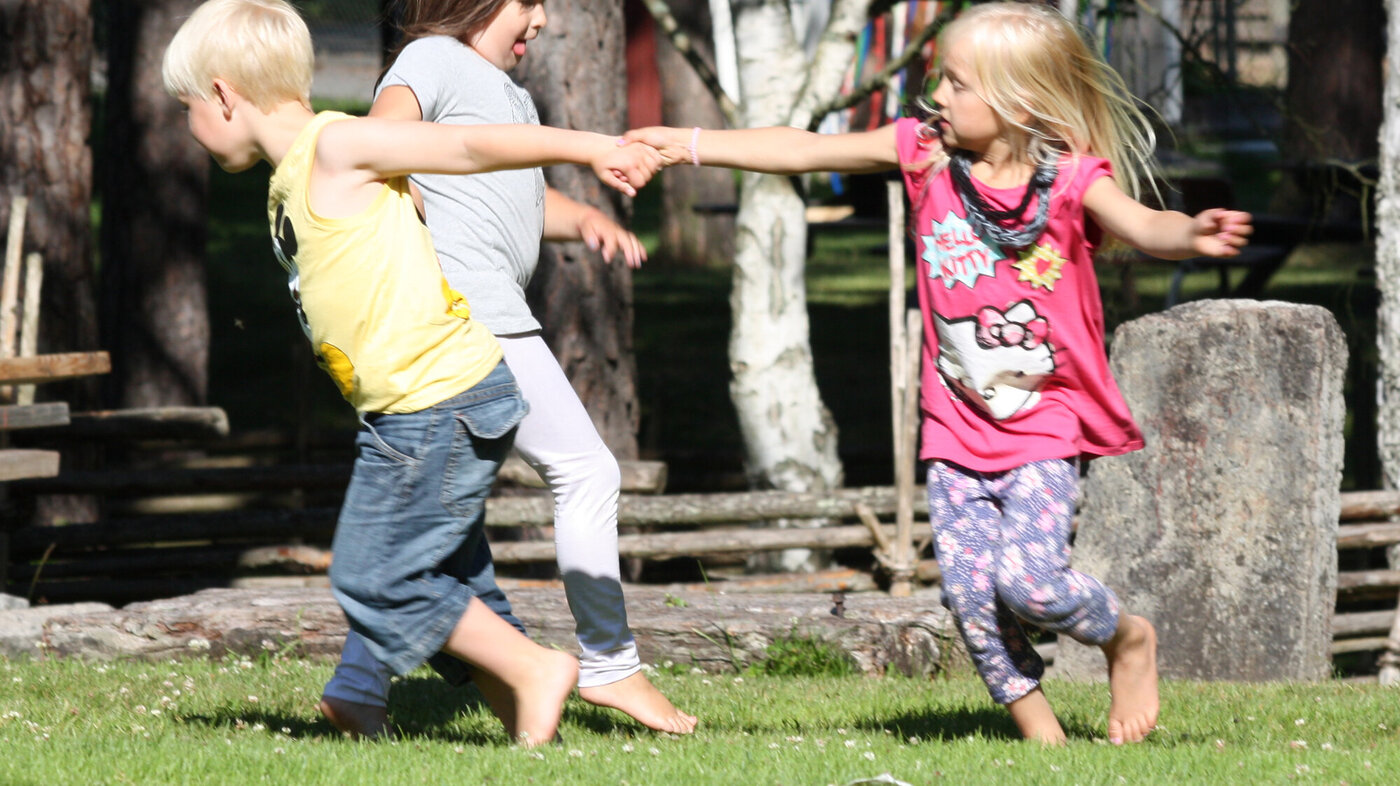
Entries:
{"x":45,"y":117}
{"x":154,"y":183}
{"x":1335,"y":54}
{"x":576,"y":73}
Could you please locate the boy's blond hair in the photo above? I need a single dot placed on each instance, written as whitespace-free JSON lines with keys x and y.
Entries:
{"x":260,"y":47}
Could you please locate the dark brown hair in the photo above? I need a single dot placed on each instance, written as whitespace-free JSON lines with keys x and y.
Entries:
{"x":459,"y":19}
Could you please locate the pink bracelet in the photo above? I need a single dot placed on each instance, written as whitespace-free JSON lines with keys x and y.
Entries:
{"x":694,"y":140}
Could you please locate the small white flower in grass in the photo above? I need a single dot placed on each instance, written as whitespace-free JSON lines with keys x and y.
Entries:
{"x":286,"y":730}
{"x":1054,"y":768}
{"x":575,"y":753}
{"x":259,"y":727}
{"x":1327,"y":746}
{"x":537,"y":755}
{"x":704,"y":682}
{"x":155,"y":712}
{"x":794,"y":738}
{"x":140,"y":709}
{"x":840,"y":731}
{"x":1220,"y":745}
{"x":628,"y":748}
{"x":1302,"y":769}
{"x":17,"y":679}
{"x":654,"y":751}
{"x":253,"y":699}
{"x":1298,"y":744}
{"x":913,"y":740}
{"x":459,"y":749}
{"x":696,"y":670}
{"x":850,"y":743}
{"x":869,"y":755}
{"x":738,"y":680}
{"x":279,"y":750}
{"x":1381,"y":726}
{"x":1300,"y":722}
{"x":772,"y":746}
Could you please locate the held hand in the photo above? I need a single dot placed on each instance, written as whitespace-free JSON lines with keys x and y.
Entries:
{"x":628,"y":167}
{"x":672,"y":143}
{"x":1221,"y":233}
{"x":602,"y":233}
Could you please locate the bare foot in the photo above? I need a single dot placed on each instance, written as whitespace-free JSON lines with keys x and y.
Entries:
{"x":539,"y":703}
{"x":360,"y":721}
{"x":1036,"y":719}
{"x":498,"y":697}
{"x":637,"y":697}
{"x":1132,"y":679}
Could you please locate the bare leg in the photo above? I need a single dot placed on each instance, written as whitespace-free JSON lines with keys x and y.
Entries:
{"x":637,"y":697}
{"x":360,"y":721}
{"x":1036,"y":719}
{"x":538,"y":679}
{"x":1132,"y":678}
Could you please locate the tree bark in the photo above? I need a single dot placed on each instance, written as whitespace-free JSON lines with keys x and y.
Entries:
{"x":691,"y":237}
{"x":45,"y":118}
{"x":154,"y":183}
{"x":575,"y":72}
{"x":1335,"y":53}
{"x":1388,"y":311}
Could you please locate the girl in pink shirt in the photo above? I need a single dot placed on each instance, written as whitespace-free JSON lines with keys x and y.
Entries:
{"x":1014,"y":178}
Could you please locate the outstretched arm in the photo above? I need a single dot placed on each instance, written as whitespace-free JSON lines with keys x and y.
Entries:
{"x":567,"y":220}
{"x":777,"y":150}
{"x":378,"y":149}
{"x":1166,"y":234}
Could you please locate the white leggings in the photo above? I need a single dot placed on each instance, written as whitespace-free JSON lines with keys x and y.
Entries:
{"x":559,"y":440}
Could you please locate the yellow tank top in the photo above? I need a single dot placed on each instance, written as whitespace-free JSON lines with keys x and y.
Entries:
{"x":370,"y":295}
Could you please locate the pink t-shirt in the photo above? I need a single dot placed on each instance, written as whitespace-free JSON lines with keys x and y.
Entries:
{"x":1014,"y":369}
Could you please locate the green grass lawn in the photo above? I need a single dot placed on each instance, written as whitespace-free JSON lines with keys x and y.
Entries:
{"x":253,"y":721}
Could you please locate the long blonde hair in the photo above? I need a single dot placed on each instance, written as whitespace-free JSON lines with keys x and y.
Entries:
{"x":1030,"y":59}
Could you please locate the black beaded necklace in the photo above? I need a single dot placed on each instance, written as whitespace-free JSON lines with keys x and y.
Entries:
{"x":989,"y":223}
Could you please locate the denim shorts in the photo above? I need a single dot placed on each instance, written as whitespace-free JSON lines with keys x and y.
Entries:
{"x":414,"y":513}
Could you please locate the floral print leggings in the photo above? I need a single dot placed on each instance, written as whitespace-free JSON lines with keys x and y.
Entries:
{"x":1002,"y":543}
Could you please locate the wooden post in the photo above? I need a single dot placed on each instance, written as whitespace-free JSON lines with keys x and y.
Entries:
{"x":29,"y":325}
{"x":9,"y":283}
{"x":901,"y":558}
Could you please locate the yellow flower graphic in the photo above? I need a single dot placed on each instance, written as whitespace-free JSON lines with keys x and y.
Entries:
{"x":1040,"y":267}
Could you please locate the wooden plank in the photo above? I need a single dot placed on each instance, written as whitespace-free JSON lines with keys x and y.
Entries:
{"x":51,"y":368}
{"x":200,"y":480}
{"x":53,"y":413}
{"x":151,"y":423}
{"x":1357,"y":505}
{"x":17,"y":463}
{"x":1368,"y":535}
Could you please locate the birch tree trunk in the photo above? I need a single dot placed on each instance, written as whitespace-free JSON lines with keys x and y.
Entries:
{"x":789,"y":435}
{"x":1388,"y":282}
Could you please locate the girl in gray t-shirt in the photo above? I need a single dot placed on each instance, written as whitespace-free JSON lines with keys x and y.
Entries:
{"x":487,"y":230}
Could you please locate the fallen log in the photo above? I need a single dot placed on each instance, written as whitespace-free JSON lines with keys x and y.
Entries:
{"x":150,"y":423}
{"x":668,"y":545}
{"x":709,"y":630}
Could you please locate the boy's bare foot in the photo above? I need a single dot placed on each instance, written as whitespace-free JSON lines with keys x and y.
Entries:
{"x":637,"y":697}
{"x":360,"y":721}
{"x":498,"y":697}
{"x":1132,"y":679}
{"x":1035,"y":718}
{"x":539,"y":703}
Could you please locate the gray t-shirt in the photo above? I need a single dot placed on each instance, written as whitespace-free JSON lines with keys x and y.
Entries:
{"x":486,"y":227}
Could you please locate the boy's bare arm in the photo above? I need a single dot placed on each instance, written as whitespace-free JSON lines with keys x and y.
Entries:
{"x":381,"y":149}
